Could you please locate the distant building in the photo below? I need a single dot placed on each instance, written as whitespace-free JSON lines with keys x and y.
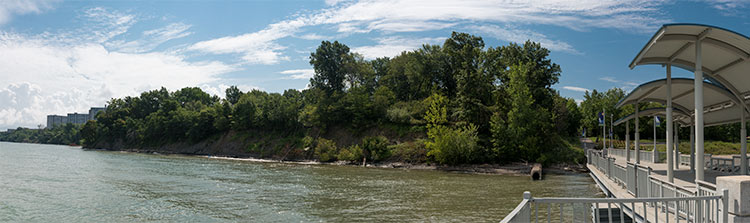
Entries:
{"x":76,"y":118}
{"x":95,"y":110}
{"x":11,"y":130}
{"x":54,"y":120}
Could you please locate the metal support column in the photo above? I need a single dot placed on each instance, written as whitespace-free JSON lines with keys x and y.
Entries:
{"x":698,"y":85}
{"x":692,"y":148}
{"x":670,"y":155}
{"x":604,"y":132}
{"x":627,"y":140}
{"x":743,"y":141}
{"x":655,"y":157}
{"x":676,"y":146}
{"x":637,"y":136}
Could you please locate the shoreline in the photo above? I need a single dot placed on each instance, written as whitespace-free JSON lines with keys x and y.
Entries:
{"x":512,"y":169}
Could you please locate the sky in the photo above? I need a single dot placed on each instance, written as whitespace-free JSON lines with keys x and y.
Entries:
{"x":59,"y":57}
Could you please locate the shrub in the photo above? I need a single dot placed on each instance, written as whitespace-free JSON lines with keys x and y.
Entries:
{"x":376,"y":148}
{"x":307,"y":142}
{"x":353,"y":153}
{"x":409,"y":152}
{"x":406,"y":112}
{"x":398,"y":115}
{"x":454,"y":146}
{"x":326,"y":150}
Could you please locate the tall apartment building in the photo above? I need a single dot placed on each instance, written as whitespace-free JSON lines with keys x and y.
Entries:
{"x":95,"y":110}
{"x":76,"y":118}
{"x":53,"y":120}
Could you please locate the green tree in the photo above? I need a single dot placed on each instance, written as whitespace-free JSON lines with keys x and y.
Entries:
{"x":233,"y":94}
{"x":567,"y":116}
{"x":330,"y":62}
{"x":473,"y":86}
{"x":543,"y":73}
{"x":245,"y":113}
{"x":448,"y":145}
{"x":527,"y":129}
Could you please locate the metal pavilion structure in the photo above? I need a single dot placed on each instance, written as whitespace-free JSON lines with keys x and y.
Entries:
{"x":723,"y":109}
{"x":641,"y":192}
{"x":727,"y":66}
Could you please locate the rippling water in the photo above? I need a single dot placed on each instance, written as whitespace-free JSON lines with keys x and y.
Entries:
{"x":58,"y":183}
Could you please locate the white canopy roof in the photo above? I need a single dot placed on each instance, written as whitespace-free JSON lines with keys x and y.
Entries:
{"x":726,"y":54}
{"x":720,"y":103}
{"x":680,"y":117}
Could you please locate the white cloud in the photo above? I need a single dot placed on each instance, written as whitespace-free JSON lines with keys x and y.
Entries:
{"x":730,"y":7}
{"x":626,"y":86}
{"x":104,"y":25}
{"x":313,"y":36}
{"x":220,"y":90}
{"x":73,"y":70}
{"x":334,"y":2}
{"x":572,"y":88}
{"x":522,"y":35}
{"x":392,"y":46}
{"x":609,"y":79}
{"x":299,"y":73}
{"x":8,"y":8}
{"x":392,"y":16}
{"x":258,"y":47}
{"x":629,"y":15}
{"x":152,"y":38}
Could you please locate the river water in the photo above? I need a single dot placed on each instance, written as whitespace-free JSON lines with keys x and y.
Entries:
{"x":47,"y":183}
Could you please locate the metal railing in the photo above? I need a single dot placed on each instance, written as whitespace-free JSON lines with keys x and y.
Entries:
{"x":699,"y":209}
{"x":642,"y":175}
{"x":640,"y":183}
{"x":617,"y":152}
{"x":725,"y":164}
{"x":645,"y":155}
{"x":661,"y":188}
{"x":619,"y":173}
{"x":722,"y":164}
{"x":684,"y":160}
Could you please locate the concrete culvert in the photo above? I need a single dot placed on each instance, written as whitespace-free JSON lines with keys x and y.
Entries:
{"x":536,"y":172}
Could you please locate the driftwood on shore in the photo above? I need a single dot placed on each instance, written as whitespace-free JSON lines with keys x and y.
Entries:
{"x":536,"y":172}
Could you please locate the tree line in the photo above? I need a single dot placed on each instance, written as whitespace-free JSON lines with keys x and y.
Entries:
{"x":67,"y":134}
{"x":456,"y":103}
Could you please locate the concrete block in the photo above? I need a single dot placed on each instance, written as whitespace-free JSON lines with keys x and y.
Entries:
{"x":739,"y":195}
{"x":737,"y":219}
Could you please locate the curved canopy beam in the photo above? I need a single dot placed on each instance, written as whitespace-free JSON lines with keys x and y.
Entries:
{"x":661,"y":112}
{"x":728,"y":64}
{"x":720,"y":104}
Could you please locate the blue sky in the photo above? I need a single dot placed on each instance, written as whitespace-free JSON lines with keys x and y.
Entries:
{"x":59,"y":56}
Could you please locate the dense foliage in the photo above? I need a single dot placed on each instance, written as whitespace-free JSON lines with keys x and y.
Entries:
{"x":456,"y":103}
{"x":68,"y":134}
